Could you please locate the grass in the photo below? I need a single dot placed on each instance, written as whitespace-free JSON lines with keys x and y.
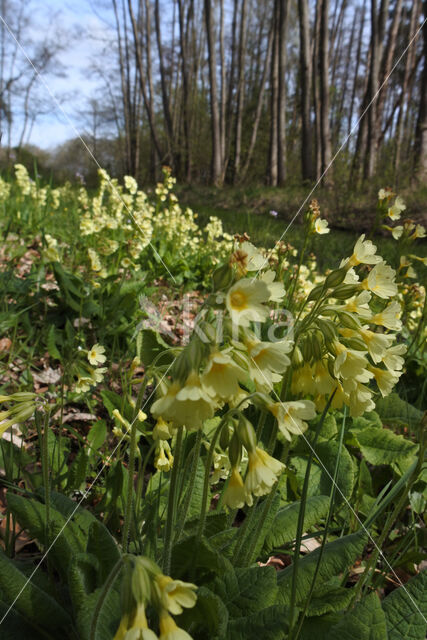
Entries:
{"x":247,"y":210}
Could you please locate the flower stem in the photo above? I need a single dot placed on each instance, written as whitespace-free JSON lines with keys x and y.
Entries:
{"x":170,"y":516}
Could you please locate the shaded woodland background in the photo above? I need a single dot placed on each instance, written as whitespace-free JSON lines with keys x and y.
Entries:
{"x":234,"y":92}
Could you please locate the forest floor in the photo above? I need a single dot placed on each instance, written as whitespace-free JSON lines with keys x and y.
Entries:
{"x":247,"y":209}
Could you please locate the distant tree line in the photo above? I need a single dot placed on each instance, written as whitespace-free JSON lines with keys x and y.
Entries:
{"x":232,"y":91}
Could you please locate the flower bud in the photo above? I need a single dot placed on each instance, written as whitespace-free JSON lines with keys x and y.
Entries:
{"x":355,"y":343}
{"x":222,"y":277}
{"x":307,"y":351}
{"x":21,"y":396}
{"x":235,"y":450}
{"x":335,"y":278}
{"x":246,"y":433}
{"x":349,"y":320}
{"x":316,"y":344}
{"x":297,"y":359}
{"x":315,"y":293}
{"x":224,"y":438}
{"x":141,"y":584}
{"x":345,"y":291}
{"x":327,"y":328}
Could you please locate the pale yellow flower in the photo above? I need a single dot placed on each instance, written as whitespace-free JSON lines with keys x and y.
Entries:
{"x":291,"y":416}
{"x":169,"y":629}
{"x":377,"y":343}
{"x":321,"y":226}
{"x":363,"y":253}
{"x":389,"y":317}
{"x":395,"y":211}
{"x":419,"y":232}
{"x":276,"y":289}
{"x":267,"y":359}
{"x":164,"y":458}
{"x":189,"y":405}
{"x":175,"y":595}
{"x":245,"y":300}
{"x":381,"y":281}
{"x":263,"y":472}
{"x":385,"y":379}
{"x":359,"y":304}
{"x":397,"y":232}
{"x":393,"y":357}
{"x":222,"y":375}
{"x":162,"y":430}
{"x":350,"y":363}
{"x":96,"y":355}
{"x":235,"y":493}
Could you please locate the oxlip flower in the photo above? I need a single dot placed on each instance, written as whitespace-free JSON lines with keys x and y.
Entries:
{"x":235,"y":493}
{"x":291,"y":416}
{"x":175,"y":595}
{"x":169,"y":629}
{"x":96,"y":355}
{"x":222,"y":375}
{"x":321,"y":226}
{"x":263,"y":472}
{"x":389,"y":317}
{"x":363,"y":253}
{"x":245,"y":300}
{"x":381,"y":281}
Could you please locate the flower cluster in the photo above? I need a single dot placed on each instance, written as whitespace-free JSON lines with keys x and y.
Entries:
{"x":144,"y":584}
{"x":347,"y":336}
{"x":121,"y":222}
{"x":92,"y":373}
{"x":23,"y":407}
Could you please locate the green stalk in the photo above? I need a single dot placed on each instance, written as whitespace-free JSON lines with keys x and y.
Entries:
{"x":170,"y":516}
{"x":129,"y":498}
{"x":189,"y":493}
{"x":401,"y":503}
{"x":140,"y":480}
{"x":206,"y":482}
{"x":301,"y":516}
{"x":325,"y":532}
{"x":102,"y":596}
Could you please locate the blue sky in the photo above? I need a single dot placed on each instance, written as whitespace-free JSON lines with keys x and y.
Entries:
{"x":72,"y":90}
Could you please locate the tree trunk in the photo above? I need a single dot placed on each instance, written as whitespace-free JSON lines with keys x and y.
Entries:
{"x":281,"y":105}
{"x":240,"y":94}
{"x":216,"y":167}
{"x":325,"y":131}
{"x":305,"y":80}
{"x":421,"y":129}
{"x":274,"y":92}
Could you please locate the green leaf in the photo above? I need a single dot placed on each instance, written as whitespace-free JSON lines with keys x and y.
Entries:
{"x":97,"y":435}
{"x":283,"y":528}
{"x":323,"y":468}
{"x":381,"y":446}
{"x":268,"y":624}
{"x":246,"y":591}
{"x":405,"y":610}
{"x":31,"y":601}
{"x":66,"y":535}
{"x":185,"y":554}
{"x":108,"y":617}
{"x":262,"y":520}
{"x":210,"y":612}
{"x":337,"y":557}
{"x":365,"y":622}
{"x":329,"y":597}
{"x":82,"y":578}
{"x":103,"y":546}
{"x":17,"y":628}
{"x":393,"y":410}
{"x":152,"y":346}
{"x":51,"y":343}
